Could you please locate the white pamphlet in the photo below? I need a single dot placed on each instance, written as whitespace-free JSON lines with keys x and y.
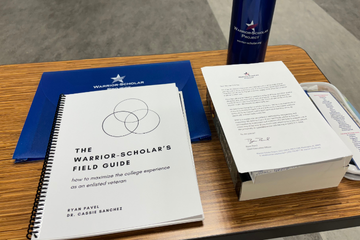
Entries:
{"x":268,"y":120}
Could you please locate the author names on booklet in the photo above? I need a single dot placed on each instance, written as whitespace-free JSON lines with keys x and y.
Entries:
{"x":81,"y":211}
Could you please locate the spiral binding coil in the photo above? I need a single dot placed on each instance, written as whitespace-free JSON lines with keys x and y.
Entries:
{"x":38,"y":208}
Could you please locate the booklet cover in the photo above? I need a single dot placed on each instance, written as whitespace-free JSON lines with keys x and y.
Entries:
{"x":114,"y":165}
{"x":36,"y":131}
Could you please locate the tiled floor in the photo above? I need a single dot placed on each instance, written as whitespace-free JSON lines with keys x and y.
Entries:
{"x":38,"y":31}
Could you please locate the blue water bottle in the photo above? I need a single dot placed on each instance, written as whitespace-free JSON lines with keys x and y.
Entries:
{"x":249,"y":30}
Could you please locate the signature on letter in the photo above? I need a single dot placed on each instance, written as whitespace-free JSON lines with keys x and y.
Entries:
{"x":258,"y":139}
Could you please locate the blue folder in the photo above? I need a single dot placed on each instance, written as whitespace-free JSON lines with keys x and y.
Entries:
{"x":35,"y":135}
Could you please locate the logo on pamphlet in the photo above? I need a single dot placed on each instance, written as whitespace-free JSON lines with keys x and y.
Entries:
{"x":118,"y":82}
{"x":247,"y":75}
{"x":130,"y":116}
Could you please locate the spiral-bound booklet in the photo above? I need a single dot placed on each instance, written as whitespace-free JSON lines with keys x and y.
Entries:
{"x":117,"y":160}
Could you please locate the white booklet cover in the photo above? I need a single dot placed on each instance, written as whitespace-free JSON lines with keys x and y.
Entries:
{"x":121,"y":160}
{"x":268,"y":120}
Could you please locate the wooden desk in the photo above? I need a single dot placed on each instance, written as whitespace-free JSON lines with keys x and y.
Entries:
{"x":224,"y":215}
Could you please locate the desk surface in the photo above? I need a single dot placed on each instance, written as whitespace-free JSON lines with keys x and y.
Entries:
{"x":224,"y":215}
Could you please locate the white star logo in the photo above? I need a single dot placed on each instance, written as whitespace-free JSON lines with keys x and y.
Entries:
{"x":251,"y":26}
{"x":118,"y":78}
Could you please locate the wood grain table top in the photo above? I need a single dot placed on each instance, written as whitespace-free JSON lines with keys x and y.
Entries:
{"x":224,"y":215}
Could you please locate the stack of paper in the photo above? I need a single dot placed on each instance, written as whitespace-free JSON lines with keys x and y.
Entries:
{"x":275,"y":140}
